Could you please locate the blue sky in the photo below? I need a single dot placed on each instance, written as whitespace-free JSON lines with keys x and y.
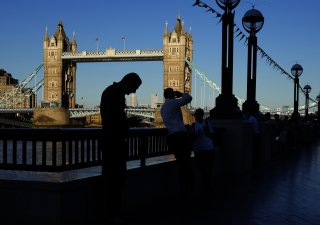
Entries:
{"x":290,"y":35}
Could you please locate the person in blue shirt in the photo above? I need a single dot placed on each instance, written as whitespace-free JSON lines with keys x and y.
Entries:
{"x":178,"y":136}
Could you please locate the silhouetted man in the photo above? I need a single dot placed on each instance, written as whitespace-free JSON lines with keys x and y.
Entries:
{"x":115,"y":126}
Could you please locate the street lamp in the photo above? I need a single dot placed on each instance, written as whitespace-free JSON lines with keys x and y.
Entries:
{"x":226,"y":102}
{"x":318,"y":100}
{"x":296,"y":71}
{"x":124,"y":42}
{"x":252,"y":22}
{"x":307,"y":90}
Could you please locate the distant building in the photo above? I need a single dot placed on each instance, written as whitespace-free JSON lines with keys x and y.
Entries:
{"x":93,"y":119}
{"x":12,"y":98}
{"x":154,"y":101}
{"x":144,"y":106}
{"x":285,"y":109}
{"x":6,"y":81}
{"x":133,"y":100}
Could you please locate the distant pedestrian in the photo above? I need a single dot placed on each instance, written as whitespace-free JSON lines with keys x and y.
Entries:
{"x":256,"y":154}
{"x":115,"y":127}
{"x":203,"y":147}
{"x":178,"y":140}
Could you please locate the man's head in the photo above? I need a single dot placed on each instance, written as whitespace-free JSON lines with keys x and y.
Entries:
{"x":198,"y":114}
{"x":130,"y":83}
{"x":168,"y":93}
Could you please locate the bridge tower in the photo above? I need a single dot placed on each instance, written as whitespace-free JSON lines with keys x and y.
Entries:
{"x":59,"y":75}
{"x":177,"y":46}
{"x":59,"y":81}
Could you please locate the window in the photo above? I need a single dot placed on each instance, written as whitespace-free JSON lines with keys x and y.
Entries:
{"x":174,"y":68}
{"x":173,"y":83}
{"x":53,"y":83}
{"x":53,"y":95}
{"x":52,"y":54}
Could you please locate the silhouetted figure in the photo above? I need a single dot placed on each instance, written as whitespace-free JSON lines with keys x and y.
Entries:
{"x":178,"y":141}
{"x":115,"y":126}
{"x":256,"y":158}
{"x":203,"y":147}
{"x":295,"y":135}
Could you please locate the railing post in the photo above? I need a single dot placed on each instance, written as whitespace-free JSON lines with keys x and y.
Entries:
{"x":5,"y":152}
{"x":54,"y":153}
{"x":44,"y":153}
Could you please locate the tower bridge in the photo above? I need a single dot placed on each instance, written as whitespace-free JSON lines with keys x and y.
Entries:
{"x":61,"y":57}
{"x":60,"y":65}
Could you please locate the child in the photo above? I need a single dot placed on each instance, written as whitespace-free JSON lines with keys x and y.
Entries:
{"x":203,"y":147}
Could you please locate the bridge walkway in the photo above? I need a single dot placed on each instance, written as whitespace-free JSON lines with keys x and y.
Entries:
{"x":283,"y":191}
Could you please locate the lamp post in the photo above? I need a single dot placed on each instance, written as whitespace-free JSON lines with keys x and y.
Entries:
{"x":252,"y":22}
{"x":307,"y":90}
{"x":318,"y":100}
{"x":226,"y":103}
{"x":296,"y":71}
{"x":124,"y":42}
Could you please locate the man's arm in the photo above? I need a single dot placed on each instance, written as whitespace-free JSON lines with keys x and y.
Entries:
{"x":182,"y":98}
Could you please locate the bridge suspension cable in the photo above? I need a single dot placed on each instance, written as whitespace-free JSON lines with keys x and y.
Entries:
{"x":215,"y":86}
{"x":16,"y":94}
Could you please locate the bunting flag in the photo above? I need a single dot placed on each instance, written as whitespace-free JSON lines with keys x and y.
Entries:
{"x":269,"y":60}
{"x":209,"y":9}
{"x":263,"y":54}
{"x":241,"y":36}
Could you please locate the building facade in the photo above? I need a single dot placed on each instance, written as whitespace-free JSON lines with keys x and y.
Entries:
{"x":177,"y":47}
{"x":59,"y":75}
{"x":154,"y":101}
{"x":6,"y":81}
{"x":11,"y":96}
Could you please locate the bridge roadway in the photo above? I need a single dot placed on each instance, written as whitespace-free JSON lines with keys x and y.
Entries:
{"x":112,"y":55}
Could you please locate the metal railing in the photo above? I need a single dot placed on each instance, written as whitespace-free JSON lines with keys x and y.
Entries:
{"x":71,"y":148}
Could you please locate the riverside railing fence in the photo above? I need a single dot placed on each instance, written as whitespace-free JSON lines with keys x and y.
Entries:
{"x":61,"y":149}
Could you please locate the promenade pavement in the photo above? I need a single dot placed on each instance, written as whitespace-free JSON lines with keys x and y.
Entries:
{"x":283,"y":191}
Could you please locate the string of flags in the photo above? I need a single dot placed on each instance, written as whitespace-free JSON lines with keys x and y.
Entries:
{"x":241,"y":36}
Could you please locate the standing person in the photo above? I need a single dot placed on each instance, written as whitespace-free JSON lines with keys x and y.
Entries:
{"x":203,"y":147}
{"x":248,"y":114}
{"x":177,"y":138}
{"x":115,"y":127}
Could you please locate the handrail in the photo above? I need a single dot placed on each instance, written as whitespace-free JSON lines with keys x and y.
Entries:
{"x":61,"y":149}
